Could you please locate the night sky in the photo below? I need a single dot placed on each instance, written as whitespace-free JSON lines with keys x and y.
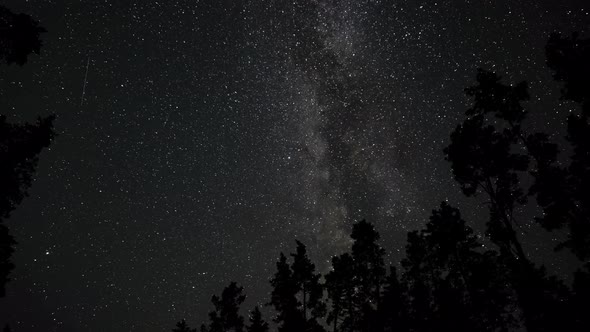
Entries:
{"x":198,"y":139}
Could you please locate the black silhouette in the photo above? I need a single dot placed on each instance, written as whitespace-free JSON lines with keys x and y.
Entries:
{"x":393,"y":314}
{"x":483,"y":160}
{"x":340,"y":289}
{"x":452,"y":279}
{"x":182,"y":326}
{"x":20,"y":144}
{"x":297,"y":293}
{"x":563,"y":191}
{"x":451,"y":284}
{"x":226,"y":316}
{"x":19,"y":36}
{"x":257,"y":324}
{"x":354,"y":286}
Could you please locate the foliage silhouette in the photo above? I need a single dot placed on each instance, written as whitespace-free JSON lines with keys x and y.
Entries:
{"x":20,"y":144}
{"x":563,"y":192}
{"x":452,"y":279}
{"x":340,"y":290}
{"x":19,"y":36}
{"x":297,"y":292}
{"x":257,"y":324}
{"x":226,"y":316}
{"x":450,"y":282}
{"x":182,"y":326}
{"x":482,"y":158}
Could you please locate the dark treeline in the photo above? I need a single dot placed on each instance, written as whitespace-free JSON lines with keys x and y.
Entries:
{"x":448,"y":280}
{"x":20,"y":144}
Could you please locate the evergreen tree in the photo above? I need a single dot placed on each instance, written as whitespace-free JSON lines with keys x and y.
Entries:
{"x":340,"y":289}
{"x":297,"y":293}
{"x":284,"y":300}
{"x":182,"y":326}
{"x":257,"y":324}
{"x":452,"y":286}
{"x":226,"y":316}
{"x":308,"y":286}
{"x":369,"y":274}
{"x":354,"y":285}
{"x":393,"y":306}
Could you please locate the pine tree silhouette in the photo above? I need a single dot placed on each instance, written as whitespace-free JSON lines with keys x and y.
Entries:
{"x":257,"y":324}
{"x":308,"y":288}
{"x":182,"y":326}
{"x":450,"y":281}
{"x":226,"y":316}
{"x":393,"y":306}
{"x":284,"y":300}
{"x":369,"y":275}
{"x":340,"y":290}
{"x":355,"y":283}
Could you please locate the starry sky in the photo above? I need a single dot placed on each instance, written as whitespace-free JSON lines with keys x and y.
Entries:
{"x":198,"y":139}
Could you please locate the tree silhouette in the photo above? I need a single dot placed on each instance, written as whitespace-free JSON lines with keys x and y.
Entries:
{"x":284,"y":300}
{"x":369,"y":274}
{"x":393,"y":306}
{"x":19,"y":36}
{"x":483,"y":160}
{"x":308,"y":286}
{"x":297,"y":293}
{"x":20,"y":145}
{"x":488,"y":153}
{"x":226,"y":316}
{"x":182,"y":326}
{"x":563,"y":194}
{"x":257,"y":324}
{"x":450,"y":282}
{"x":340,"y":290}
{"x":354,"y":285}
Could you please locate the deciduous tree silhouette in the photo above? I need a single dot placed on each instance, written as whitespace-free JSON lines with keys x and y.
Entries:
{"x":257,"y":324}
{"x":488,"y":153}
{"x":482,"y":158}
{"x":564,"y":194}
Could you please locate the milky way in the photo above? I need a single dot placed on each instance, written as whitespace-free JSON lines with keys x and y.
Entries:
{"x":212,"y":134}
